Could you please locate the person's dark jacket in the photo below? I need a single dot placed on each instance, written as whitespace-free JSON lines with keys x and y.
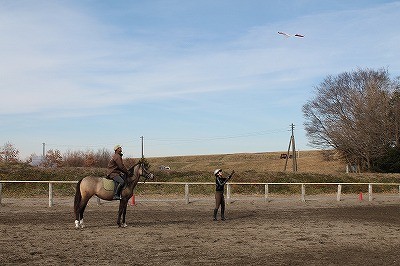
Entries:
{"x":116,"y":166}
{"x":220,"y":182}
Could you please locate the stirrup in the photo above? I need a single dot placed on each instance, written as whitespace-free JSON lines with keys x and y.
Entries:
{"x":117,"y":197}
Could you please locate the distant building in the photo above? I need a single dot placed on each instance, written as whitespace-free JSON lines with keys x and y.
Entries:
{"x":37,"y":160}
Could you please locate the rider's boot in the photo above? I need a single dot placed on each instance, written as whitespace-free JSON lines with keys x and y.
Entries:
{"x":215,"y":214}
{"x":117,"y":191}
{"x":222,"y":213}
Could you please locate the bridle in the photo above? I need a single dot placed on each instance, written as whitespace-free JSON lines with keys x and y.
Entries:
{"x":145,"y":173}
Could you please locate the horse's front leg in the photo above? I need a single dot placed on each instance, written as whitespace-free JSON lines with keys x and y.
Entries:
{"x":124,"y":215}
{"x":122,"y":212}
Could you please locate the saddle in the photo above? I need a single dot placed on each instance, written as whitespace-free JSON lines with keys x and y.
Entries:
{"x":108,"y":184}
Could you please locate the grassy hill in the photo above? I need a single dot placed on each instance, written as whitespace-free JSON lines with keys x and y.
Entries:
{"x":318,"y":162}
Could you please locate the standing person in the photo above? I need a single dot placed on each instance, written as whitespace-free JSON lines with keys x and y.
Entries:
{"x":220,"y":182}
{"x":117,"y":171}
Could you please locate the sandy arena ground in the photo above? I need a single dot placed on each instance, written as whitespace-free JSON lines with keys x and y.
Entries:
{"x":320,"y":231}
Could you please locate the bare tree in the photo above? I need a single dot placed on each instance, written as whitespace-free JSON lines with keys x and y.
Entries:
{"x":74,"y":158}
{"x":9,"y":153}
{"x":88,"y":158}
{"x":395,"y":116}
{"x":53,"y":158}
{"x":353,"y":114}
{"x":103,"y":157}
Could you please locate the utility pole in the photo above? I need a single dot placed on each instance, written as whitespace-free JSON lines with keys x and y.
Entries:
{"x":44,"y":150}
{"x":142,"y":147}
{"x":294,"y":151}
{"x":294,"y":156}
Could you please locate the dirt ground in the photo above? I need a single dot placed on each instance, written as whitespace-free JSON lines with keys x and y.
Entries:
{"x":286,"y":231}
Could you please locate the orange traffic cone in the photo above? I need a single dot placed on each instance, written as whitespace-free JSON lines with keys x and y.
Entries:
{"x":360,"y":196}
{"x":132,"y":200}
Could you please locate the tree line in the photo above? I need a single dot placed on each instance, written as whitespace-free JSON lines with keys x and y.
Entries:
{"x":54,"y":158}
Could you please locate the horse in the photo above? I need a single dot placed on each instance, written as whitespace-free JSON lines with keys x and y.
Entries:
{"x":93,"y":185}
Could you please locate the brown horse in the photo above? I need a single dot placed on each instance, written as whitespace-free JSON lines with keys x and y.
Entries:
{"x":93,"y":185}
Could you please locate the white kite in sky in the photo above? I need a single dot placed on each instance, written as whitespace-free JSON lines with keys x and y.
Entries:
{"x":288,"y":35}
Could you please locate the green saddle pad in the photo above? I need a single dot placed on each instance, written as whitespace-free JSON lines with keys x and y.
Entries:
{"x":108,"y":184}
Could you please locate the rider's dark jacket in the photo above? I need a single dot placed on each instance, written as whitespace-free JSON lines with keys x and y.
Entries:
{"x":220,"y":182}
{"x":116,"y":166}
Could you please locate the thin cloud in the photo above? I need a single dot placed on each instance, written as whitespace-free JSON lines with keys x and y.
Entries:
{"x":49,"y":62}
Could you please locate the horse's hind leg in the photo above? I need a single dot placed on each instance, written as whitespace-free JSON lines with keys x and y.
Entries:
{"x":124,"y":215}
{"x":79,"y":213}
{"x":79,"y":217}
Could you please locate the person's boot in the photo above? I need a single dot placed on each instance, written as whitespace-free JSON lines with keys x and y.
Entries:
{"x":222,"y":213}
{"x":215,"y":214}
{"x":117,"y":189}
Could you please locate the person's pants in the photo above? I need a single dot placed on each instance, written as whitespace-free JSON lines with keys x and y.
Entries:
{"x":119,"y":184}
{"x":219,"y":200}
{"x":119,"y":179}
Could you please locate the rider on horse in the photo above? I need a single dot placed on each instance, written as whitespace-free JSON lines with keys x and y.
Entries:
{"x":117,"y":171}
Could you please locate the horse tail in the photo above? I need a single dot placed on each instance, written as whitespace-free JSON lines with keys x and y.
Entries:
{"x":78,"y":198}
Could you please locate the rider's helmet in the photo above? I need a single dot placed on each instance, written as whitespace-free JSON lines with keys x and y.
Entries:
{"x":217,"y":171}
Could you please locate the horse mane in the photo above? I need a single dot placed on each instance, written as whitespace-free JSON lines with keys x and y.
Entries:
{"x":131,"y":173}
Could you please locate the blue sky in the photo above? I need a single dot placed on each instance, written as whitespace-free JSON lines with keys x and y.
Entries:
{"x":192,"y":77}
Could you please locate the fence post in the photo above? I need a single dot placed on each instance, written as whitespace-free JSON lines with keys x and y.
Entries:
{"x":369,"y":192}
{"x":339,"y":192}
{"x":228,"y":193}
{"x":266,"y":192}
{"x":1,"y":186}
{"x":187,"y":193}
{"x":303,"y":192}
{"x":50,"y":194}
{"x":98,"y":201}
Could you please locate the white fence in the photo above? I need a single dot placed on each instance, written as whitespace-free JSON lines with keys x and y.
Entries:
{"x":228,"y":191}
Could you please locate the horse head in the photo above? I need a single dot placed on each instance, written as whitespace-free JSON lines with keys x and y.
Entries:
{"x":144,"y":171}
{"x":138,"y":170}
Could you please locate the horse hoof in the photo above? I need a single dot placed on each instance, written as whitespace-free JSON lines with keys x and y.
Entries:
{"x":124,"y":225}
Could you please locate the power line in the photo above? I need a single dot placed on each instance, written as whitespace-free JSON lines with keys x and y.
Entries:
{"x":243,"y":135}
{"x":172,"y":140}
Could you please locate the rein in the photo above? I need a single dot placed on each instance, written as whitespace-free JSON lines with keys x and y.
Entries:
{"x":144,"y":173}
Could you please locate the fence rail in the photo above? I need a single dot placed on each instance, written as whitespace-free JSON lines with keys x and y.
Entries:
{"x":228,"y":191}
